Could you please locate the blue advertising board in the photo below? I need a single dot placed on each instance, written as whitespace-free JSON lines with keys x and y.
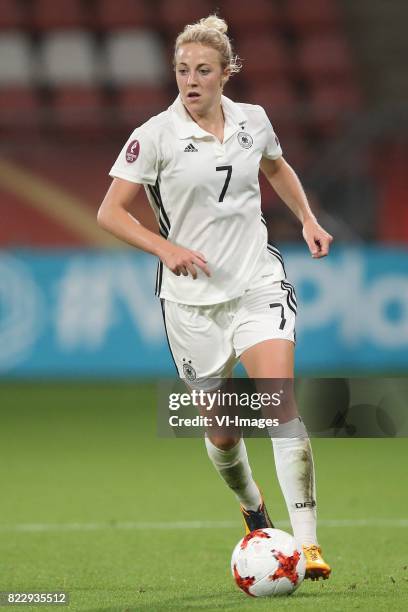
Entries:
{"x":90,"y":313}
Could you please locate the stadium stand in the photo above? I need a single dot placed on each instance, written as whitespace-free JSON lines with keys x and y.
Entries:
{"x":20,"y":110}
{"x":78,"y":108}
{"x":63,"y":14}
{"x":171,"y":17}
{"x":276,"y":59}
{"x":134,"y":103}
{"x":16,"y":63}
{"x":318,"y":16}
{"x":324,"y":56}
{"x":333,"y":105}
{"x":68,"y":57}
{"x":122,"y":14}
{"x":392,"y":220}
{"x":12,"y":14}
{"x":282,"y":105}
{"x":79,"y":69}
{"x":264,"y":17}
{"x":134,"y":56}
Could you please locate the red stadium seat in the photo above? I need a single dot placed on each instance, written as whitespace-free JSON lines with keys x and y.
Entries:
{"x":297,"y":152}
{"x":276,"y":97}
{"x":391,"y":179}
{"x":122,"y":14}
{"x":333,"y":104}
{"x":313,"y":16}
{"x":172,"y":16}
{"x":285,"y":109}
{"x":261,"y":17}
{"x":281,"y":104}
{"x":265,"y":58}
{"x":137,"y":104}
{"x":20,"y":109}
{"x":50,"y":14}
{"x":11,"y":14}
{"x":324,"y":57}
{"x":78,"y":109}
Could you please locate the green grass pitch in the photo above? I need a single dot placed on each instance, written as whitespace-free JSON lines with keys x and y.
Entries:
{"x":82,"y":470}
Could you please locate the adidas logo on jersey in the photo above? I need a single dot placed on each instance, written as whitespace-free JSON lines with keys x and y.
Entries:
{"x":190,"y":149}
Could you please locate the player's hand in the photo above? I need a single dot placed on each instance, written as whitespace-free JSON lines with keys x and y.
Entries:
{"x":183,"y":261}
{"x":317,"y":239}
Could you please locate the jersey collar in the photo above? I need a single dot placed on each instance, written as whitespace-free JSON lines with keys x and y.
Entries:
{"x":187,"y":128}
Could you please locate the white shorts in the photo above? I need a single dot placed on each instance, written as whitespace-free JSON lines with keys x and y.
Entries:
{"x":207,"y":341}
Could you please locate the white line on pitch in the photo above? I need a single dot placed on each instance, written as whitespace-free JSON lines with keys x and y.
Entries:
{"x":171,"y":525}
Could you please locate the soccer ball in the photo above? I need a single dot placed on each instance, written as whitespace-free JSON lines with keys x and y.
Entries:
{"x":267,"y":562}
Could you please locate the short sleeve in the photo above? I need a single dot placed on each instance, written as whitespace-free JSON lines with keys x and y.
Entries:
{"x":138,"y":160}
{"x":272,"y":148}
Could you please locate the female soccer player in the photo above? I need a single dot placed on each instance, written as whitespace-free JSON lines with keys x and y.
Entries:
{"x":217,"y":276}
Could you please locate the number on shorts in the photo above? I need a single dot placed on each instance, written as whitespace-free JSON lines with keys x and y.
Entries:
{"x":283,"y":320}
{"x":227,"y":180}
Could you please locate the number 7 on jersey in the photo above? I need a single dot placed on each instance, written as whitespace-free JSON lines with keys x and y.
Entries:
{"x":227,"y":180}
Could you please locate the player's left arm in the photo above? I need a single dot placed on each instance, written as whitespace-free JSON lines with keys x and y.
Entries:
{"x":287,"y":185}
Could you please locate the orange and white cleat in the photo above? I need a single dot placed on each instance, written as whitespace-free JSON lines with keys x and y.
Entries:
{"x":316,"y":566}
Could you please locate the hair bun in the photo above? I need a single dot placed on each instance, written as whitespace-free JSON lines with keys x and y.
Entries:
{"x":211,"y":32}
{"x":212,"y":22}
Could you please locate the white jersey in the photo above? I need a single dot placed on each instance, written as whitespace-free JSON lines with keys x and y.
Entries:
{"x":206,"y":196}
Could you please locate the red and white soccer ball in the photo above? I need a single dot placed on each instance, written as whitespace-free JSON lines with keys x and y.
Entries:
{"x":267,"y":562}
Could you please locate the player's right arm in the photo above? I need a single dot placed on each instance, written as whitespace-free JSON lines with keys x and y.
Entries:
{"x":114,"y":217}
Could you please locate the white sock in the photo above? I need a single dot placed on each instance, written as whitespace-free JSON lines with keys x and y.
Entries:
{"x":233,"y":467}
{"x":295,"y":471}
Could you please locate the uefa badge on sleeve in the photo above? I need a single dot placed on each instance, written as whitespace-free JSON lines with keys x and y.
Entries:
{"x":245,"y":140}
{"x":132,"y":152}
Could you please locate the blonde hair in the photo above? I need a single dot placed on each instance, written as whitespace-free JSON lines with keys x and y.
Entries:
{"x":210,"y":31}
